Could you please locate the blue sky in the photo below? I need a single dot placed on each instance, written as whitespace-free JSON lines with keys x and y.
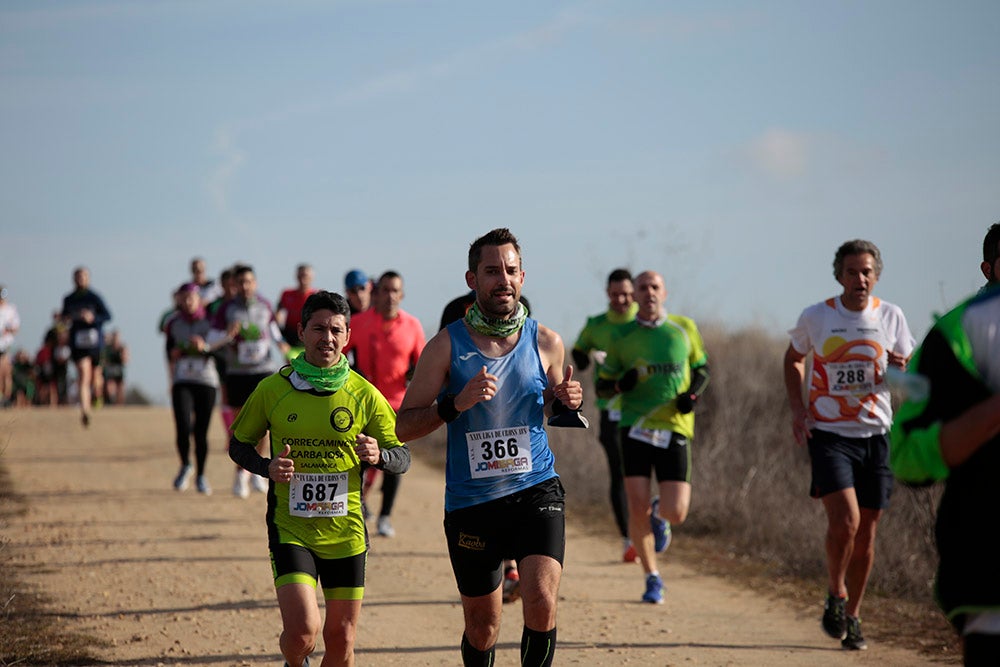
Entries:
{"x":732,"y":146}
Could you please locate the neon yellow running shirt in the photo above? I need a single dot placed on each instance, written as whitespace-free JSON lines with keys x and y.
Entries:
{"x":664,"y":356}
{"x":320,"y":429}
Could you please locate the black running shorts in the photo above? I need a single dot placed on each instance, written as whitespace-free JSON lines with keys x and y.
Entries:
{"x":839,"y":462}
{"x":527,"y":523}
{"x":341,"y":578}
{"x":671,"y":464}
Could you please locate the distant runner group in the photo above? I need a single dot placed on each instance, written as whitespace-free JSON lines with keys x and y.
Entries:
{"x":78,"y":362}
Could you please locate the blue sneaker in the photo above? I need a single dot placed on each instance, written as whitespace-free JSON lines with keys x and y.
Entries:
{"x":660,"y":528}
{"x":654,"y":589}
{"x":661,"y":534}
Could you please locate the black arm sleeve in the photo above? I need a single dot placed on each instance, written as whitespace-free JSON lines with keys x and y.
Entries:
{"x":101,"y":312}
{"x":581,"y":359}
{"x":246,"y":457}
{"x":699,"y":380}
{"x":606,"y":388}
{"x":395,"y":459}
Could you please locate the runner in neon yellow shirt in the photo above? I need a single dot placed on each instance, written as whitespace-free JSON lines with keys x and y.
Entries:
{"x":594,"y":341}
{"x":324,"y":420}
{"x":660,"y":367}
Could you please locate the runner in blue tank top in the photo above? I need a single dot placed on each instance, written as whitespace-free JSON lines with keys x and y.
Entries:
{"x":493,"y":377}
{"x":499,"y":447}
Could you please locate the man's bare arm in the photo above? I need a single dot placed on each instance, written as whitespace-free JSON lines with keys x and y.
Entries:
{"x":795,"y":373}
{"x":418,"y":414}
{"x":965,"y":434}
{"x":562,"y":387}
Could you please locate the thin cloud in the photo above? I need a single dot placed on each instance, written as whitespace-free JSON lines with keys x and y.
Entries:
{"x":410,"y":79}
{"x":545,"y":35}
{"x":390,"y":84}
{"x":674,"y":25}
{"x":780,"y":153}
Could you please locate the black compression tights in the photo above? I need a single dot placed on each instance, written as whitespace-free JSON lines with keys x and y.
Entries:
{"x":193,"y":404}
{"x":390,"y":485}
{"x":610,"y":438}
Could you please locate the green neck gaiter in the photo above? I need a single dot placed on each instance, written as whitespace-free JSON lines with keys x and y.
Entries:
{"x":324,"y":379}
{"x":495,"y":327}
{"x":627,"y":316}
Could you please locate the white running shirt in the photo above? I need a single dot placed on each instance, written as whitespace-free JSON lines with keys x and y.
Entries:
{"x":847,"y":391}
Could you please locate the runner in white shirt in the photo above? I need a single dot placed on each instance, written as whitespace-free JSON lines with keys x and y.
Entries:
{"x":835,"y":370}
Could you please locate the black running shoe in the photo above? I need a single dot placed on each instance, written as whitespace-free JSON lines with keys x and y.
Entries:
{"x":854,"y":641}
{"x":835,"y":617}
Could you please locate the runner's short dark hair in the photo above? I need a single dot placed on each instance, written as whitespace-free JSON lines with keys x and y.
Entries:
{"x":323,"y":300}
{"x":497,"y":237}
{"x":619,"y":275}
{"x":388,"y":275}
{"x":991,"y":244}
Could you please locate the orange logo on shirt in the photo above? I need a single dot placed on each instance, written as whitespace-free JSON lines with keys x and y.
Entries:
{"x":830,"y":397}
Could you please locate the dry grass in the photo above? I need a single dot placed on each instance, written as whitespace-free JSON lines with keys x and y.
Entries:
{"x":29,"y":633}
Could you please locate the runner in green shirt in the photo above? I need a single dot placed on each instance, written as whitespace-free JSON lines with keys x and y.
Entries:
{"x":594,"y":341}
{"x":660,"y":367}
{"x":324,"y":420}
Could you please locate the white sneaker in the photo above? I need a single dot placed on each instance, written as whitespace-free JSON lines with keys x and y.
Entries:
{"x":258,"y":483}
{"x":241,"y":485}
{"x":202,"y":486}
{"x":183,"y":479}
{"x":385,"y":528}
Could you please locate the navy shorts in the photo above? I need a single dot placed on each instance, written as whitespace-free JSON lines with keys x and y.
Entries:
{"x":839,"y":462}
{"x":671,"y":464}
{"x":93,"y":353}
{"x":527,"y":523}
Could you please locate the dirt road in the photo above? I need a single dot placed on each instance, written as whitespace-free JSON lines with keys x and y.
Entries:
{"x":167,"y":578}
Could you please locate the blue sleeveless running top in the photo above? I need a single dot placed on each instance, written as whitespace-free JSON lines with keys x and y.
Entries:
{"x":497,"y":447}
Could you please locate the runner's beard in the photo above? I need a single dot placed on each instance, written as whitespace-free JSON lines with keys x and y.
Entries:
{"x":499,"y":310}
